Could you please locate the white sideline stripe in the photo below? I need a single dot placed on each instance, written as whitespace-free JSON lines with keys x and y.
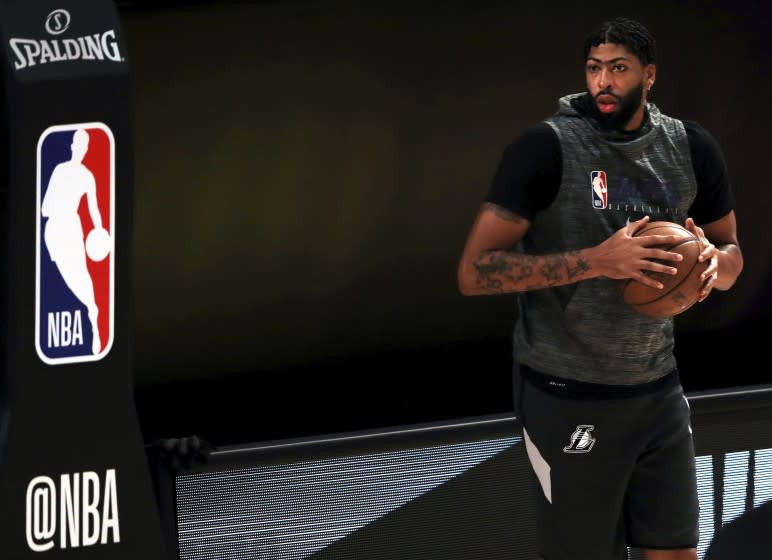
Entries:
{"x":366,"y":436}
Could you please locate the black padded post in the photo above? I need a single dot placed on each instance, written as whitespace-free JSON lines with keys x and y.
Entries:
{"x":74,"y":478}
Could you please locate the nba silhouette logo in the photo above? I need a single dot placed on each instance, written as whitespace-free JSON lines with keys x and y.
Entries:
{"x":75,"y":242}
{"x":599,"y":189}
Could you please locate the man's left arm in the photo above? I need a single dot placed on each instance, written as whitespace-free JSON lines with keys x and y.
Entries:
{"x":722,"y":249}
{"x":713,"y":209}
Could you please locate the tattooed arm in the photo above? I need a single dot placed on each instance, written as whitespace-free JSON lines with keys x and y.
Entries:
{"x":490,"y":265}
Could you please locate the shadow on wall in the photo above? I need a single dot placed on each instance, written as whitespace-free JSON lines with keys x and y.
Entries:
{"x":746,"y":536}
{"x":307,"y":172}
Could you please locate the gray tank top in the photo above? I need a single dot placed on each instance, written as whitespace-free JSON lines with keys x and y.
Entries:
{"x":584,"y":331}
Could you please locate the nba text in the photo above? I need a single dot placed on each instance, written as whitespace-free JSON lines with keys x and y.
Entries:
{"x":65,"y":328}
{"x":82,"y":510}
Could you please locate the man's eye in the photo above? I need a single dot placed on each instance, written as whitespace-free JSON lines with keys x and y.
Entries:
{"x":620,"y":68}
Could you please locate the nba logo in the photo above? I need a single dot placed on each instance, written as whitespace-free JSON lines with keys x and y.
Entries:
{"x":599,"y":189}
{"x":75,"y":241}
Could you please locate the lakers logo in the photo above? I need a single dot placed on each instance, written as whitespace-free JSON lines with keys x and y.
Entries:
{"x":581,"y":440}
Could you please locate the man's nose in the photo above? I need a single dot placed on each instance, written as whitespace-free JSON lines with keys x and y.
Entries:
{"x":604,"y":78}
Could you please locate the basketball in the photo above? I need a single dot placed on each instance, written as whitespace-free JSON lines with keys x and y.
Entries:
{"x":98,"y":244}
{"x":680,"y":291}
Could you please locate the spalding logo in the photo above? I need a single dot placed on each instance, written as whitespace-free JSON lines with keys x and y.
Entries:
{"x":29,"y":52}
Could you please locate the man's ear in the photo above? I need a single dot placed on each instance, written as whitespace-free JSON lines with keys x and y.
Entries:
{"x":651,"y":75}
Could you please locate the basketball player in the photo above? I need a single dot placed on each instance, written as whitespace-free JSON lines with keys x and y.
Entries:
{"x":605,"y":421}
{"x":63,"y":235}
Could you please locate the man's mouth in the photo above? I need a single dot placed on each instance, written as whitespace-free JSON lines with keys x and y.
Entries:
{"x":607,"y":103}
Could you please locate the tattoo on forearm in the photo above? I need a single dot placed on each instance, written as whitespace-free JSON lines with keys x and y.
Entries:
{"x":498,"y":266}
{"x":553,"y":267}
{"x":580,"y":265}
{"x":498,"y":269}
{"x":503,"y":213}
{"x":491,"y":273}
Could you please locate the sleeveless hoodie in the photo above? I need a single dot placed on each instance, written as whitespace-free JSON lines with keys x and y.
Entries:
{"x":584,"y":331}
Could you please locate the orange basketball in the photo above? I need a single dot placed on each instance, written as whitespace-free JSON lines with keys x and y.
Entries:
{"x":681,"y":290}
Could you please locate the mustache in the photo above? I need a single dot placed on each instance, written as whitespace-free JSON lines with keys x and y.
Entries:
{"x":608,"y":92}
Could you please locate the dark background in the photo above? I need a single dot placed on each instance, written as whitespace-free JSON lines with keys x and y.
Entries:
{"x":307,"y":173}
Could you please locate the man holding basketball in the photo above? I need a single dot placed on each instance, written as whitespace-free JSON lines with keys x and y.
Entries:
{"x":605,"y":420}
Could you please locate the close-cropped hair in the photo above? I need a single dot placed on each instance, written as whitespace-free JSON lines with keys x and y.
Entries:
{"x":627,"y":32}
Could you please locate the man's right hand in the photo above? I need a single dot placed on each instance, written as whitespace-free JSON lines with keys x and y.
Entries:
{"x":623,"y":255}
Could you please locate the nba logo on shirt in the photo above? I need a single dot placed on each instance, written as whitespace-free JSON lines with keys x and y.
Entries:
{"x":599,"y":189}
{"x":75,"y":241}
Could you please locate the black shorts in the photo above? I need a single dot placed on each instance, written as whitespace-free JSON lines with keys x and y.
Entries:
{"x":613,"y":471}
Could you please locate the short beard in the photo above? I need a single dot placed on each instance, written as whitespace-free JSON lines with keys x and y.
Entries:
{"x":628,"y":105}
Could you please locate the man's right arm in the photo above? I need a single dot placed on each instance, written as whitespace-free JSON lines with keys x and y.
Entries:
{"x":490,"y":263}
{"x":526,"y":181}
